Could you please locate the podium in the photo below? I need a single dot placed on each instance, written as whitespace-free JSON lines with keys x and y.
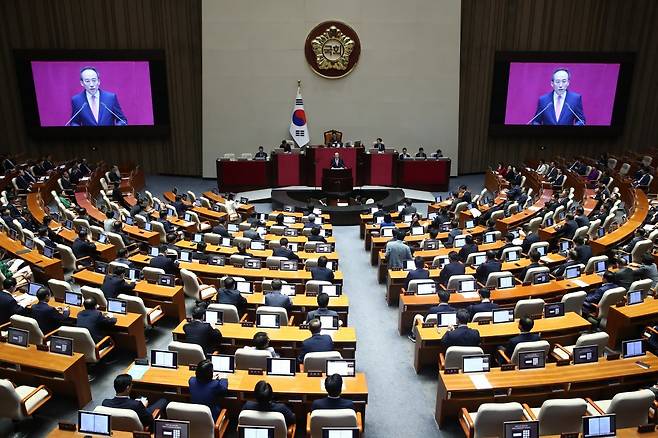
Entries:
{"x":338,"y":181}
{"x":381,"y":167}
{"x":286,"y":168}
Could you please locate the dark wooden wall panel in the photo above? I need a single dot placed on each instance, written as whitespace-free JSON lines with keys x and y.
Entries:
{"x":171,"y":25}
{"x":554,"y":25}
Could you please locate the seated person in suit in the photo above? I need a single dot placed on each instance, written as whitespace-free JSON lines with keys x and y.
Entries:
{"x":162,"y":218}
{"x":284,"y":251}
{"x":180,"y":206}
{"x":594,"y":297}
{"x":408,"y":208}
{"x":530,"y":238}
{"x":640,"y":234}
{"x":321,"y":272}
{"x":81,"y":246}
{"x":625,"y":275}
{"x":251,"y":233}
{"x":442,"y":307}
{"x":230,"y":295}
{"x":337,"y":162}
{"x":433,"y":234}
{"x":648,"y":270}
{"x":118,"y":230}
{"x":93,"y":320}
{"x":421,"y":153}
{"x":122,"y":257}
{"x":285,"y":146}
{"x":380,"y":211}
{"x":264,"y":403}
{"x":454,"y":267}
{"x":420,"y":273}
{"x":397,"y":252}
{"x":568,"y":229}
{"x":317,"y":342}
{"x":204,"y":390}
{"x":387,"y":221}
{"x":334,"y":386}
{"x":535,"y":258}
{"x":311,"y":222}
{"x":404,"y":154}
{"x":123,"y":386}
{"x":485,"y":304}
{"x":261,"y":154}
{"x":315,"y":236}
{"x":580,"y":218}
{"x":262,"y":343}
{"x":164,"y":262}
{"x":221,"y":229}
{"x":334,"y":142}
{"x":115,"y":284}
{"x":49,"y":318}
{"x":199,"y":332}
{"x":525,"y":326}
{"x":454,"y":232}
{"x":509,"y":242}
{"x":469,"y":247}
{"x":572,"y":259}
{"x":323,"y":308}
{"x":275,"y":298}
{"x":200,"y":253}
{"x":583,"y":249}
{"x":8,"y":304}
{"x":437,"y":154}
{"x":379,"y":145}
{"x":492,"y":264}
{"x":462,"y":335}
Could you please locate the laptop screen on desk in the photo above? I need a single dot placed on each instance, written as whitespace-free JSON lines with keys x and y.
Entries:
{"x":600,"y":267}
{"x":171,"y":429}
{"x":586,"y":354}
{"x":255,"y":431}
{"x":541,"y":278}
{"x":554,"y":309}
{"x":185,"y":256}
{"x":409,"y":265}
{"x":466,"y":285}
{"x":479,"y":259}
{"x":426,"y":288}
{"x":91,"y":422}
{"x":244,"y":287}
{"x":489,"y":238}
{"x":532,"y":359}
{"x":599,"y":426}
{"x":214,"y":317}
{"x":73,"y":299}
{"x":222,"y":363}
{"x":48,"y":252}
{"x":505,"y":282}
{"x":154,"y":252}
{"x":476,"y":364}
{"x":458,"y":243}
{"x":387,"y":231}
{"x":164,"y":359}
{"x":447,"y":318}
{"x":61,"y":345}
{"x":281,"y":366}
{"x":288,"y":289}
{"x":512,"y":256}
{"x":572,"y":272}
{"x":333,"y":290}
{"x":634,"y":297}
{"x":33,"y":288}
{"x":257,"y":245}
{"x":117,"y":306}
{"x":632,"y":348}
{"x":565,"y":245}
{"x":265,"y":320}
{"x":18,"y":337}
{"x":502,"y":315}
{"x":340,"y":432}
{"x":521,"y":429}
{"x":344,"y":367}
{"x":417,"y":231}
{"x":329,"y":322}
{"x":198,"y":237}
{"x":148,"y":226}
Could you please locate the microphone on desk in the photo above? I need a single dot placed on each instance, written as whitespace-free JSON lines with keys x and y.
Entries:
{"x":76,"y":114}
{"x":123,"y":122}
{"x":539,"y":113}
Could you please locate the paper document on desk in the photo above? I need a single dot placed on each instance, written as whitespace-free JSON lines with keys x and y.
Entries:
{"x":580,"y":283}
{"x":469,"y":295}
{"x":475,"y":212}
{"x":137,"y":371}
{"x":533,"y":208}
{"x":480,"y":381}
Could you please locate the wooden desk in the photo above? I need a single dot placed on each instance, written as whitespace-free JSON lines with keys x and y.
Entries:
{"x":150,"y":237}
{"x":297,"y":392}
{"x":302,"y":304}
{"x":563,"y":330}
{"x":600,"y":380}
{"x":56,"y":433}
{"x":286,"y":340}
{"x":411,"y":305}
{"x":212,"y":271}
{"x":261,"y":254}
{"x":628,"y":322}
{"x":246,"y":209}
{"x":43,"y":267}
{"x":64,"y":375}
{"x":171,"y":299}
{"x":640,"y":208}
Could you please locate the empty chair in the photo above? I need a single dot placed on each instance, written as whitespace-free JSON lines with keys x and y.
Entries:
{"x":581,"y":232}
{"x":269,"y":310}
{"x":212,"y":238}
{"x":594,"y":228}
{"x":558,"y":415}
{"x":530,"y":273}
{"x":237,"y":260}
{"x":192,"y":286}
{"x":36,"y":336}
{"x":317,"y":361}
{"x":246,"y":358}
{"x":453,"y":281}
{"x":489,"y":418}
{"x":454,"y":355}
{"x":590,"y":268}
{"x":187,"y":353}
{"x":122,"y":419}
{"x":20,"y":402}
{"x":600,"y":339}
{"x":529,"y":307}
{"x":229,"y":312}
{"x":310,"y":246}
{"x":492,"y":279}
{"x":159,"y":228}
{"x":482,"y":316}
{"x":557,"y":213}
{"x":96,"y":293}
{"x":140,"y":220}
{"x":200,"y":226}
{"x":313,"y":286}
{"x":612,"y":163}
{"x":150,"y":315}
{"x":277,"y":230}
{"x":272,"y":419}
{"x":59,"y":288}
{"x":623,"y":170}
{"x":632,"y":408}
{"x":200,"y":418}
{"x":113,"y":265}
{"x":151,"y":274}
{"x":324,"y":418}
{"x":573,"y":301}
{"x":84,"y":344}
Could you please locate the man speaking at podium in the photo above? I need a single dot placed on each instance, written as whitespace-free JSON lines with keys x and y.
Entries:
{"x":93,"y":106}
{"x":337,"y":162}
{"x":559,"y":107}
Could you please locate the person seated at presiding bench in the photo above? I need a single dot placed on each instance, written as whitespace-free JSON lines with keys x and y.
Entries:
{"x":421,"y":153}
{"x":49,"y":318}
{"x":322,"y":310}
{"x":204,"y":390}
{"x":264,"y":403}
{"x":321,"y":272}
{"x":317,"y":342}
{"x":199,"y":332}
{"x":262,"y":343}
{"x":275,"y":298}
{"x":334,"y":386}
{"x":462,"y":335}
{"x":261,"y":154}
{"x":123,"y":386}
{"x":8,"y":304}
{"x":93,"y":320}
{"x":420,"y":273}
{"x":115,"y":284}
{"x":230,"y":295}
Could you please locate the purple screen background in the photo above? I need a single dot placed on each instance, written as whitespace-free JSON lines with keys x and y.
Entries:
{"x":596,"y":83}
{"x":55,"y":82}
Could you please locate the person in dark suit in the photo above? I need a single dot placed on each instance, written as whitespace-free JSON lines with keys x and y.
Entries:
{"x":22,"y":180}
{"x":251,"y":233}
{"x":321,"y":272}
{"x":205,"y":390}
{"x":200,"y":253}
{"x":525,"y":327}
{"x":379,"y":145}
{"x":230,"y":295}
{"x":93,"y":320}
{"x":221,"y":230}
{"x":261,"y":154}
{"x":8,"y":164}
{"x":583,"y":249}
{"x":581,"y":219}
{"x":81,"y":246}
{"x":334,"y":386}
{"x":560,"y":106}
{"x":640,"y":234}
{"x":162,"y":218}
{"x":315,"y":236}
{"x":264,"y":403}
{"x":179,"y":205}
{"x":594,"y":297}
{"x":568,"y":229}
{"x":322,"y":310}
{"x":421,"y":153}
{"x":115,"y":284}
{"x":164,"y":262}
{"x":49,"y":318}
{"x":443,"y":306}
{"x":461,"y":335}
{"x":492,"y":264}
{"x":420,"y":273}
{"x":8,"y":304}
{"x":284,"y":251}
{"x":454,"y":267}
{"x":408,"y":208}
{"x":530,"y":238}
{"x":123,"y":386}
{"x":643,"y":179}
{"x":572,"y":259}
{"x":485,"y":304}
{"x":317,"y":342}
{"x":337,"y":162}
{"x":469,"y":247}
{"x":275,"y":298}
{"x":199,"y":332}
{"x":535,"y":257}
{"x":93,"y":106}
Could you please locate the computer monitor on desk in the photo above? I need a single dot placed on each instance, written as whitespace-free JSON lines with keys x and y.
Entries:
{"x":599,"y":426}
{"x":94,"y":423}
{"x":255,"y":431}
{"x":521,"y":429}
{"x":171,"y":429}
{"x":479,"y":363}
{"x":632,"y":348}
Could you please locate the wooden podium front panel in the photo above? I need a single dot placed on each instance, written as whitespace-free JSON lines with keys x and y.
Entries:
{"x":322,"y":160}
{"x":381,"y":168}
{"x":287,"y":169}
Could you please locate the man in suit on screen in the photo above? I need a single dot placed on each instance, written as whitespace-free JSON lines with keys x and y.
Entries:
{"x":560,"y":106}
{"x":93,"y":106}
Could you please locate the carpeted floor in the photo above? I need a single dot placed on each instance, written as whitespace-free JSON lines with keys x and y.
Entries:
{"x":401,"y":403}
